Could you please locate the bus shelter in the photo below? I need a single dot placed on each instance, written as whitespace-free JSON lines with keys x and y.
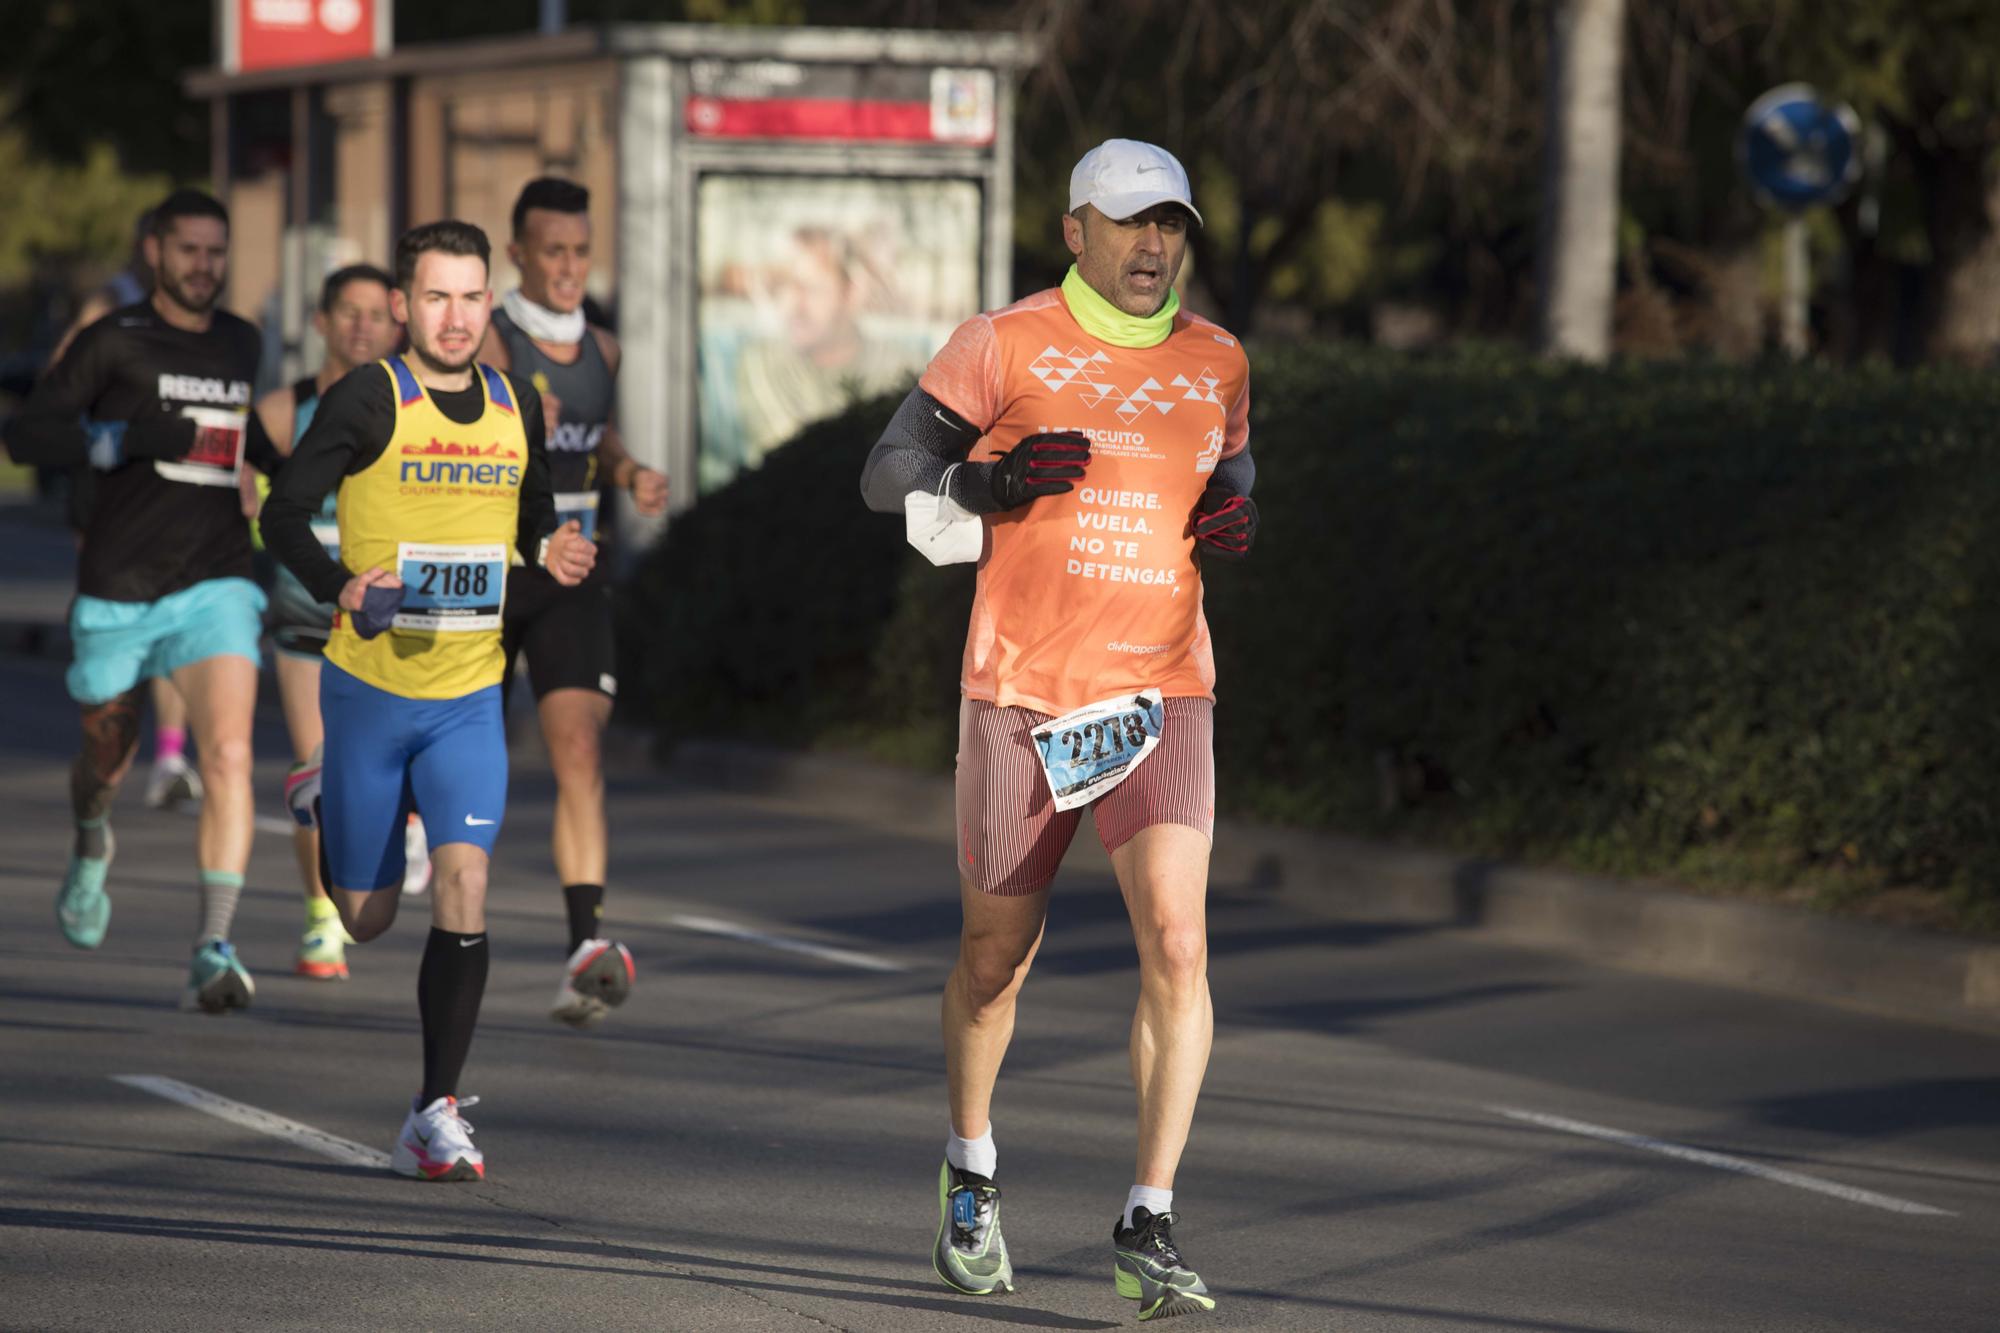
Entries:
{"x":786,"y":218}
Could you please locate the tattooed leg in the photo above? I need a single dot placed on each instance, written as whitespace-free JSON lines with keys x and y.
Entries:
{"x":110,"y":739}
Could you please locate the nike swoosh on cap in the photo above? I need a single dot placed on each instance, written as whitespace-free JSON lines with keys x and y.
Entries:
{"x":475,"y":823}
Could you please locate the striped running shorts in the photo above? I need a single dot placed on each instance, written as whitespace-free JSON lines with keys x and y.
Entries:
{"x":1011,"y":837}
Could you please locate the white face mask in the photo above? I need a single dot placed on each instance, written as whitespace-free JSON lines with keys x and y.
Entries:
{"x":938,"y":526}
{"x":541,"y":323}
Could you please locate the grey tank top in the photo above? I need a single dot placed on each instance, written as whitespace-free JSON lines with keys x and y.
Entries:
{"x":585,"y":389}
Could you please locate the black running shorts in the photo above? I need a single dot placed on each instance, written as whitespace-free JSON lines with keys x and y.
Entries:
{"x":565,"y":632}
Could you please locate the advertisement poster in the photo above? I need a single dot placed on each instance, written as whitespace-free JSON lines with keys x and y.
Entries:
{"x":817,"y":291}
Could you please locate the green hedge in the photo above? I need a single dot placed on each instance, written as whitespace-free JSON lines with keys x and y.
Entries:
{"x":1725,"y":624}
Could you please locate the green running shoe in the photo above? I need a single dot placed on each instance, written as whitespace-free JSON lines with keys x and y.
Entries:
{"x":970,"y":1255}
{"x":83,"y":908}
{"x":217,"y":979}
{"x":323,"y":947}
{"x":1149,"y":1269}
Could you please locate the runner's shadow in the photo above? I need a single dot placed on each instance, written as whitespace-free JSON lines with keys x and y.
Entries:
{"x":426,"y":1246}
{"x":655,"y":1254}
{"x":241,"y":1159}
{"x":1078,"y":901}
{"x":67,"y":1027}
{"x":1359,"y":1014}
{"x":1223,"y":942}
{"x":156,"y":1003}
{"x":1889,"y":1108}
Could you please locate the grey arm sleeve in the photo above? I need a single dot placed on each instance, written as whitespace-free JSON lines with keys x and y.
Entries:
{"x":923,"y":439}
{"x":1234,"y":476}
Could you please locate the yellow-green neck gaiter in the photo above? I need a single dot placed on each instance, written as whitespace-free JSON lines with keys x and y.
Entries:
{"x":1107,"y":323}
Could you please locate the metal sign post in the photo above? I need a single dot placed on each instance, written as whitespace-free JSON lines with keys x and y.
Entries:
{"x":1799,"y":152}
{"x":1794,"y":323}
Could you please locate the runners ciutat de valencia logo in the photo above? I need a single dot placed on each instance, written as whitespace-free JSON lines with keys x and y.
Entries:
{"x":449,"y":463}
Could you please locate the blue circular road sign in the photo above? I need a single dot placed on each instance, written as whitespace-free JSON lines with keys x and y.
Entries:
{"x":1798,"y":149}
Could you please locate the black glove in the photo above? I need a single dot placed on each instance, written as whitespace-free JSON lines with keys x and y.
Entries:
{"x":379,"y":606}
{"x":1225,"y":525}
{"x":1043,"y":464}
{"x":158,"y":433}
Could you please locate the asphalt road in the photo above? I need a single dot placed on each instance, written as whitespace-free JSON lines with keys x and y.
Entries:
{"x":1390,"y":1137}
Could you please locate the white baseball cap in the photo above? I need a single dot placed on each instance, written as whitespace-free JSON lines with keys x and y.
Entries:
{"x":1121,"y":177}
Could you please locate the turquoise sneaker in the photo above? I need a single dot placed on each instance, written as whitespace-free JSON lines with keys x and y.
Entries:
{"x":83,"y":908}
{"x":217,"y":979}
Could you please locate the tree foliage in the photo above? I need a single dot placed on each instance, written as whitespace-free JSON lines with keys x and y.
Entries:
{"x":1345,"y":151}
{"x":67,"y":215}
{"x":84,"y":72}
{"x":1718,"y":623}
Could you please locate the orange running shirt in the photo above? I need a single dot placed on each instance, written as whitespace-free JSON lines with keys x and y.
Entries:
{"x":1093,"y":593}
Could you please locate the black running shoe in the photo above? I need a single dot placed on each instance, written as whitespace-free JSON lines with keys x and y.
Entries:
{"x":1148,"y":1268}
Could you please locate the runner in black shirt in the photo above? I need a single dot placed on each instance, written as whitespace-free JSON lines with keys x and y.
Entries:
{"x":156,"y":397}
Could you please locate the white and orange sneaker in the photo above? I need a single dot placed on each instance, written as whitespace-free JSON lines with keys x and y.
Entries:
{"x":416,"y":856}
{"x":436,"y":1143}
{"x":596,"y":980}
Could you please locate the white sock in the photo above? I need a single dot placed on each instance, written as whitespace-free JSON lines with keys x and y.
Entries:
{"x":978,"y":1156}
{"x":1154,"y":1201}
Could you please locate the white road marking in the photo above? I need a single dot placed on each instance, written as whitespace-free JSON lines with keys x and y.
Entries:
{"x":1722,"y":1162}
{"x":708,"y":925}
{"x":249,"y":1117}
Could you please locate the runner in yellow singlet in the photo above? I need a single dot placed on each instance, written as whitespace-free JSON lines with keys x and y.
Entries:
{"x":443,"y":478}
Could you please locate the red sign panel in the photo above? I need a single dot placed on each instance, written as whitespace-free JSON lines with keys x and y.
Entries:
{"x":777,"y":99}
{"x":271,"y":34}
{"x":808,"y":118}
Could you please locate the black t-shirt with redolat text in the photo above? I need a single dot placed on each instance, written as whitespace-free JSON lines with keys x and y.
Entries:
{"x":158,"y":525}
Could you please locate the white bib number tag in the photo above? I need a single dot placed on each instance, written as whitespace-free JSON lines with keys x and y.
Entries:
{"x":581,"y":506}
{"x":1088,"y":752}
{"x":451,"y":589}
{"x":217,"y":455}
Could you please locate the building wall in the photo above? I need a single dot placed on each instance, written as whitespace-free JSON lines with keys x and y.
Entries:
{"x":476,"y":139}
{"x":362,"y":162}
{"x":469,"y":142}
{"x":256,"y":243}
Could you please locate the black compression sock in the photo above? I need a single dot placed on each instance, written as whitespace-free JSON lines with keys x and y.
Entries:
{"x":450,"y":983}
{"x":586,"y":912}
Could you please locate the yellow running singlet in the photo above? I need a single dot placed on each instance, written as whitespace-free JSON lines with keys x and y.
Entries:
{"x":441,"y":509}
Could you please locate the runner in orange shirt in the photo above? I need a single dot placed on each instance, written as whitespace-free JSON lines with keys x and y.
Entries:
{"x":1088,"y":446}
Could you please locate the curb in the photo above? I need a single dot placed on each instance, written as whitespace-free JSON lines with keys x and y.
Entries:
{"x":1887,"y":969}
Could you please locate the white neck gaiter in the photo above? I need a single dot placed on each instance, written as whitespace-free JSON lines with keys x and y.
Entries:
{"x":541,"y":323}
